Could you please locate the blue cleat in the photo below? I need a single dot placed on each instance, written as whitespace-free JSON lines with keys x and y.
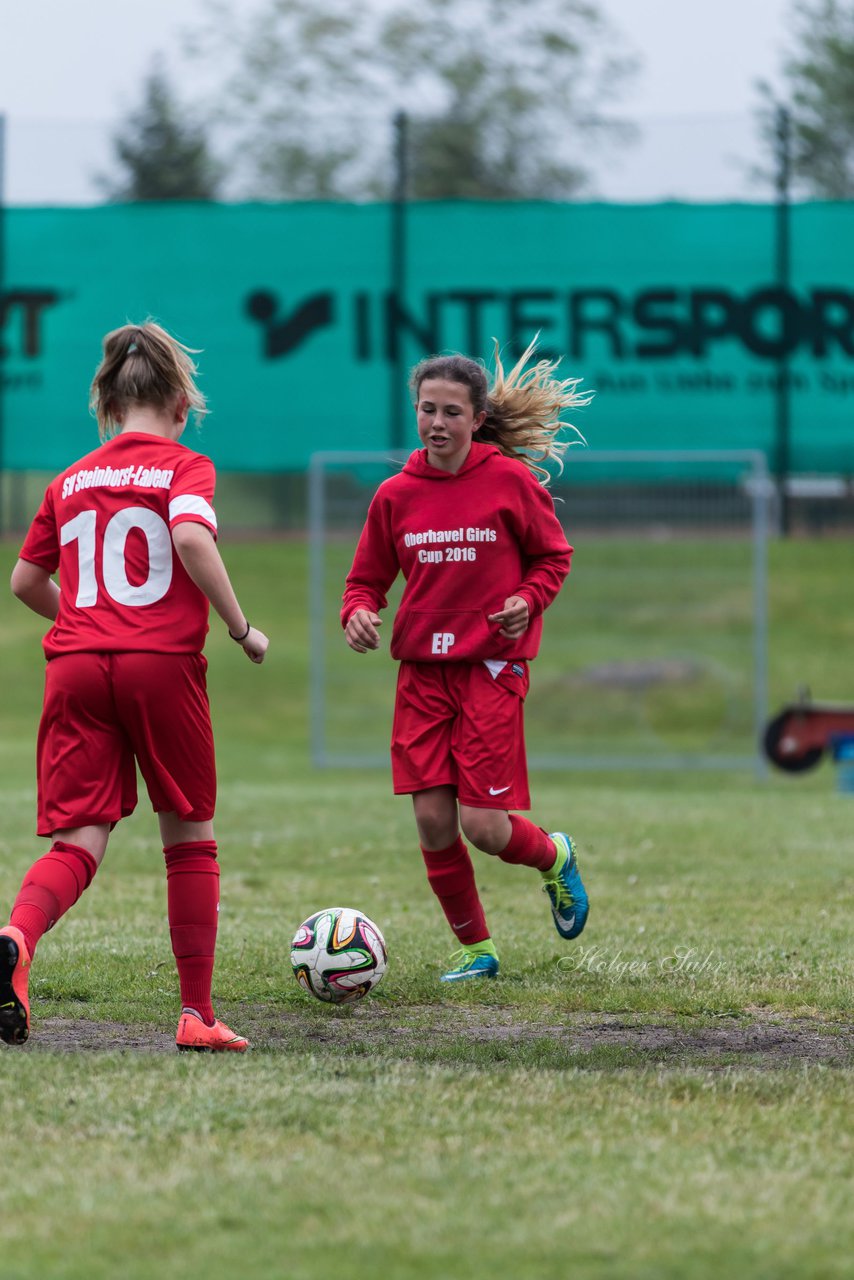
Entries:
{"x":563,"y":884}
{"x":472,"y":964}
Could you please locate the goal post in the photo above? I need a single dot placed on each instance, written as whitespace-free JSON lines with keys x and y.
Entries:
{"x":654,"y":655}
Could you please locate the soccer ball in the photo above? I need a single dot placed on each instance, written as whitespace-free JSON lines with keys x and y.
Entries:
{"x":338,"y":955}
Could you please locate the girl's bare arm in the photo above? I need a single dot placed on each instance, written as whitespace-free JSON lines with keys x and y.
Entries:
{"x":35,"y":588}
{"x":200,"y":557}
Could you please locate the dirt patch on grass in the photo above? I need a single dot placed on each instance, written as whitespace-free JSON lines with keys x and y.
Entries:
{"x":755,"y":1039}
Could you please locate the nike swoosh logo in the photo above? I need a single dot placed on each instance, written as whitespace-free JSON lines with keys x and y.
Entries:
{"x":461,"y":925}
{"x":497,"y":791}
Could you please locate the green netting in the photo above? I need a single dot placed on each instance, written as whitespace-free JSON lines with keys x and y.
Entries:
{"x":668,"y":311}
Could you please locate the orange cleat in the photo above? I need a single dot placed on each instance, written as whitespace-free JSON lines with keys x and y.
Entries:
{"x":14,"y":979}
{"x":194,"y":1033}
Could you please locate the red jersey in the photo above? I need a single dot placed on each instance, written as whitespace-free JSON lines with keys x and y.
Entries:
{"x":105,"y":525}
{"x":465,"y":542}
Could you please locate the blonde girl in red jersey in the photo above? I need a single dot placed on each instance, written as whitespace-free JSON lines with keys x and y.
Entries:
{"x":470,"y":524}
{"x":131,"y":530}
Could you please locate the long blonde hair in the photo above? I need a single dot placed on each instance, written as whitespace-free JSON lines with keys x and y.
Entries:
{"x":523,"y":407}
{"x":142,"y":364}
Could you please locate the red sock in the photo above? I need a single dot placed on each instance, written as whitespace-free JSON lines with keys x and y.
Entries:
{"x":192,"y":896}
{"x":451,"y":877}
{"x":53,"y":884}
{"x":529,"y":846}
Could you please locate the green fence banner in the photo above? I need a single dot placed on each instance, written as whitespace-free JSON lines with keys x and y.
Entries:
{"x":671,"y":313}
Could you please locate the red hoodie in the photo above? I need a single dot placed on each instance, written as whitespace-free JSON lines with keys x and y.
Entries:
{"x":464,"y":542}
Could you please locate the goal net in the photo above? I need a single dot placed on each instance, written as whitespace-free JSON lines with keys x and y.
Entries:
{"x":653,"y":654}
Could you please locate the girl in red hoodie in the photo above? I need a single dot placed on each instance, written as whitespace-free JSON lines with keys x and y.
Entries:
{"x":469,"y":523}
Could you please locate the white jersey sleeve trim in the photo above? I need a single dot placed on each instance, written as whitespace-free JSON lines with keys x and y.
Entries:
{"x":190,"y":504}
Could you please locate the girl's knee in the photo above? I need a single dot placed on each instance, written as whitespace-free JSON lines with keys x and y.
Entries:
{"x":487,"y":829}
{"x":436,"y":832}
{"x":436,"y":817}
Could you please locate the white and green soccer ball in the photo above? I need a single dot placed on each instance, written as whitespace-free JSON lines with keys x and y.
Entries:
{"x":338,"y":955}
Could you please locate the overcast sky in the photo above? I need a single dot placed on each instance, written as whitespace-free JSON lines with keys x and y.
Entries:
{"x":70,"y":69}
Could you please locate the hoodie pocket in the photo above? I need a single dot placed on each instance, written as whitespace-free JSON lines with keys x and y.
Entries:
{"x":436,"y":635}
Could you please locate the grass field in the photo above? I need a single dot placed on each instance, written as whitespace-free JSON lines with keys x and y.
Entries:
{"x":669,"y":1096}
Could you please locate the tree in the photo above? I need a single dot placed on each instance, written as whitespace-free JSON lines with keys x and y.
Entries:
{"x":819,"y":79}
{"x":505,"y":100}
{"x":160,"y":155}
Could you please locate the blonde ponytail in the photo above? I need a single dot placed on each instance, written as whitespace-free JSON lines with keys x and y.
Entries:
{"x":142,"y":365}
{"x":525,"y":408}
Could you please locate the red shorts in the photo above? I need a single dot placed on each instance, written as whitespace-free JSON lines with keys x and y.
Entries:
{"x":456,"y":724}
{"x":105,"y":711}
